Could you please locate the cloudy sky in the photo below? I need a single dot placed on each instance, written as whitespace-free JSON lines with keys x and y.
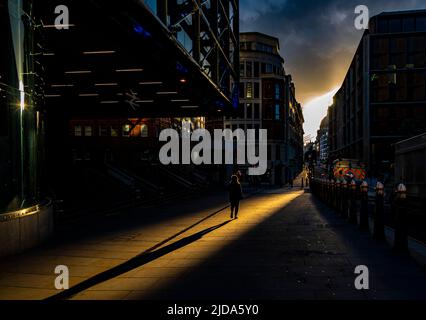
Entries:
{"x":318,"y":41}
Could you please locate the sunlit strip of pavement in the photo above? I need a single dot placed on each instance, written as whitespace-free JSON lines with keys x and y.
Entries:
{"x":31,"y":274}
{"x":154,"y":271}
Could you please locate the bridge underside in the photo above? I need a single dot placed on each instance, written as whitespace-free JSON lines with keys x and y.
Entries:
{"x":118,"y":60}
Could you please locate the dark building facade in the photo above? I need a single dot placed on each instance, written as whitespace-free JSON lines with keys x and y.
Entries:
{"x":268,"y":101}
{"x":383,"y":97}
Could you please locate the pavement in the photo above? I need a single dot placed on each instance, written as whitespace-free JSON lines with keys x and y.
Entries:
{"x":285,"y":245}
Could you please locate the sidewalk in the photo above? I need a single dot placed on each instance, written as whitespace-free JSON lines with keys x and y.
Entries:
{"x":285,"y":245}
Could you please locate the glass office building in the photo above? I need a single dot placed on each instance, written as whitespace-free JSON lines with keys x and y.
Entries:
{"x":21,"y":124}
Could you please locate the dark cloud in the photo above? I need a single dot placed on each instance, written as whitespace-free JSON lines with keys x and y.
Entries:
{"x":318,"y":38}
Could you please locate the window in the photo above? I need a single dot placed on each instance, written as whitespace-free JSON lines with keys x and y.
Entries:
{"x":249,"y":90}
{"x":103,"y":131}
{"x":88,"y":131}
{"x":249,"y":109}
{"x":256,"y":90}
{"x":277,"y":112}
{"x":256,"y":111}
{"x":144,"y":131}
{"x":269,"y":68}
{"x":114,"y":132}
{"x":421,"y":24}
{"x":241,"y":69}
{"x":256,"y":70}
{"x":277,"y":152}
{"x":77,"y":131}
{"x":126,"y":130}
{"x":408,"y":25}
{"x":241,"y":89}
{"x":277,"y":92}
{"x":395,"y":25}
{"x":249,"y":69}
{"x":383,"y":26}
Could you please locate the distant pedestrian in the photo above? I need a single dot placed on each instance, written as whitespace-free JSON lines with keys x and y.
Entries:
{"x":235,"y":195}
{"x":291,"y":182}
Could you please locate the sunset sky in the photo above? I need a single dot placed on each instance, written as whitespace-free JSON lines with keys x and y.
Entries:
{"x":318,"y":41}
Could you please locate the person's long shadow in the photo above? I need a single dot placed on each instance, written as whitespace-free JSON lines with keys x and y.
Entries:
{"x":134,"y":263}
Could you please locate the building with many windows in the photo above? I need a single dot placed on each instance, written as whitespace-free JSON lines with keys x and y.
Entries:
{"x":322,"y":141}
{"x":268,"y":101}
{"x":383,"y":97}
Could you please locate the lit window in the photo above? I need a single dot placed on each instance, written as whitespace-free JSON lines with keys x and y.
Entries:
{"x":126,"y":130}
{"x":77,"y":131}
{"x":88,"y":131}
{"x":103,"y":131}
{"x":277,"y":91}
{"x":144,"y":131}
{"x":249,"y":90}
{"x":114,"y":132}
{"x":249,"y":111}
{"x":277,"y":112}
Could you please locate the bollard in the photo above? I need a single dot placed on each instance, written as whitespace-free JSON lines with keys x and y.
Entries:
{"x":353,"y":205}
{"x":344,"y":210}
{"x":338,"y":196}
{"x":323,"y":189}
{"x":379,"y":214}
{"x":401,"y":232}
{"x":363,"y":219}
{"x":333,"y":193}
{"x":329,"y":199}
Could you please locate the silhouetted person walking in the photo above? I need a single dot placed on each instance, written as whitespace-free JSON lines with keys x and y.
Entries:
{"x":235,"y":195}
